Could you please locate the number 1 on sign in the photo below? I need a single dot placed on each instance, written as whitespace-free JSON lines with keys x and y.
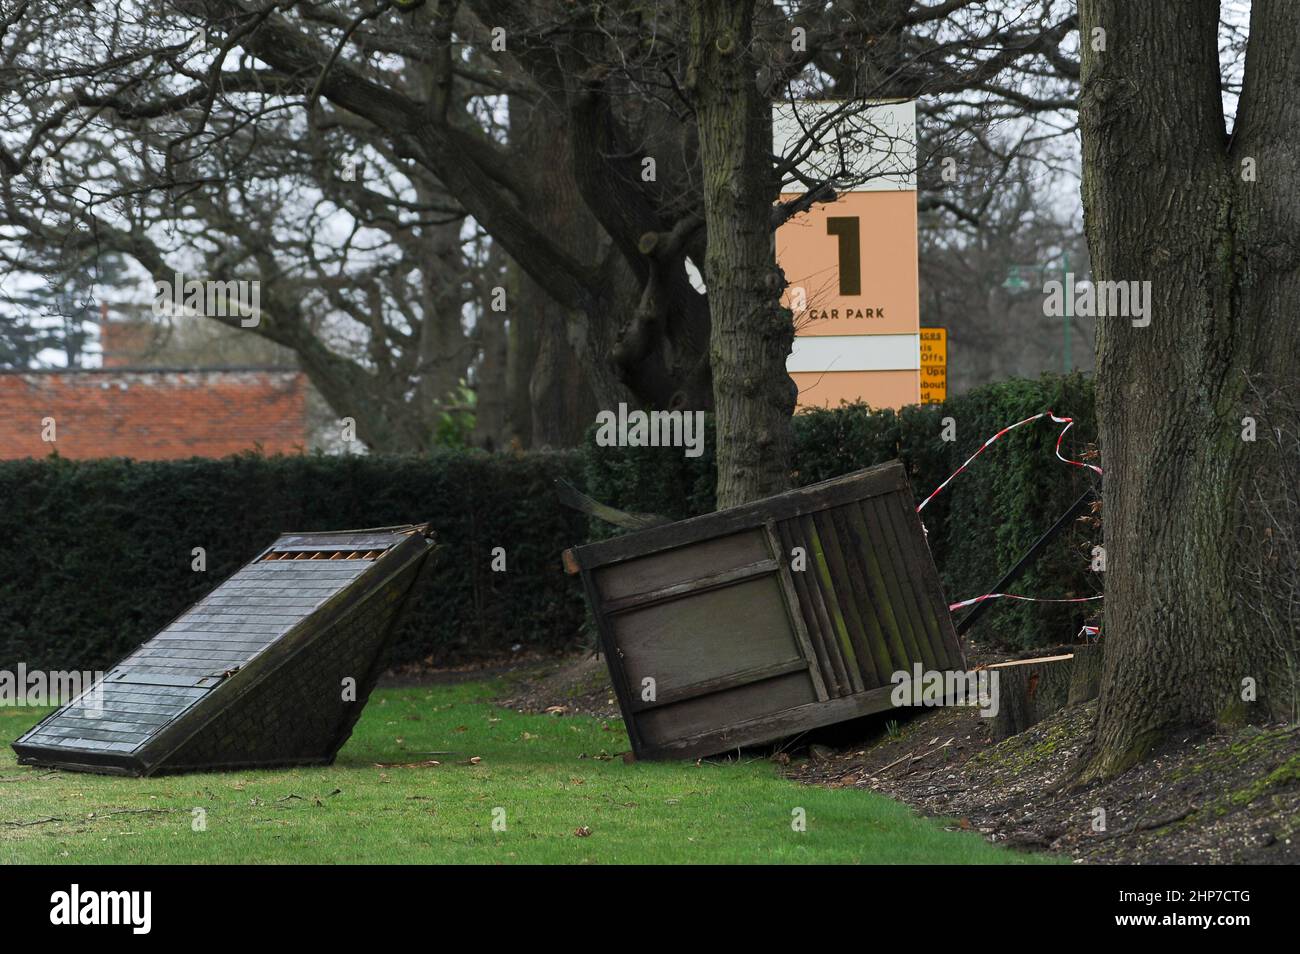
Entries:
{"x":846,"y":228}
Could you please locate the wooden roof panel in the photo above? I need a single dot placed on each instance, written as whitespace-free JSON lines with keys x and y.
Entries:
{"x":154,"y":699}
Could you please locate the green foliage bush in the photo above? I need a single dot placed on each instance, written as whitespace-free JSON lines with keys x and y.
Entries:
{"x":977,"y":527}
{"x":95,"y":556}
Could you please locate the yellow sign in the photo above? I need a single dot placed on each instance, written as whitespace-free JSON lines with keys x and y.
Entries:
{"x":934,"y":365}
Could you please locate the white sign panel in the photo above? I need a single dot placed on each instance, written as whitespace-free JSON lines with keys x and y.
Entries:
{"x":857,"y":145}
{"x":855,"y":353}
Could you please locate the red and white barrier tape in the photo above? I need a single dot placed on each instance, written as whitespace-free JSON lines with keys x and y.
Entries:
{"x":1013,"y":596}
{"x":1067,"y":421}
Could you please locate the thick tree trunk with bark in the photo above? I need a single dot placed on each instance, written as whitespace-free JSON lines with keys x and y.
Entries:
{"x":444,"y":352}
{"x":1168,"y":200}
{"x":751,"y":333}
{"x":548,"y":373}
{"x":491,"y":377}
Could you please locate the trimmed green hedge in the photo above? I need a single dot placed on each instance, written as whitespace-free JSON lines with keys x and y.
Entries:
{"x":978,"y":526}
{"x":95,"y":556}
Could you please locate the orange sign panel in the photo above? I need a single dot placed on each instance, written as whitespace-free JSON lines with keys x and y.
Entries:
{"x":934,"y":365}
{"x":851,"y":265}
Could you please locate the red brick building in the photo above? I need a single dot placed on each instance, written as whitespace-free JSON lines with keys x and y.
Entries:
{"x":152,"y":414}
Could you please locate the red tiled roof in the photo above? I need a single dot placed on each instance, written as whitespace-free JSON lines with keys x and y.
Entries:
{"x":152,"y":414}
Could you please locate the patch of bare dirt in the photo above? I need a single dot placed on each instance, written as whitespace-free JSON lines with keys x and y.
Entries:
{"x":1226,"y":798}
{"x":572,"y":686}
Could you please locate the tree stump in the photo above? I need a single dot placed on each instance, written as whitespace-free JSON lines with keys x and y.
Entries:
{"x":1029,"y":690}
{"x":1085,"y":674}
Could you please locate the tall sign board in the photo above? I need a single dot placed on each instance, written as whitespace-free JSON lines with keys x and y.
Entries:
{"x":934,"y":365}
{"x":851,"y":265}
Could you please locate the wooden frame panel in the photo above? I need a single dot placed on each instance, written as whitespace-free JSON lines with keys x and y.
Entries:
{"x":867,"y":603}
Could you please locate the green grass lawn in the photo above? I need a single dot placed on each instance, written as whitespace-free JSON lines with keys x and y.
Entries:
{"x":369,"y":807}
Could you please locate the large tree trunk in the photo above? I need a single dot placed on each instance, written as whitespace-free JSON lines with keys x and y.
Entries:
{"x":751,"y":333}
{"x":548,"y":373}
{"x":492,"y":377}
{"x":1165,"y":202}
{"x":444,"y":352}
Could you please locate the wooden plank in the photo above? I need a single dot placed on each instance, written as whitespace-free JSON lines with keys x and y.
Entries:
{"x":306,"y":569}
{"x":61,"y":743}
{"x":1026,"y":662}
{"x":228,"y":630}
{"x":705,"y":635}
{"x":714,"y":711}
{"x":888,"y":582}
{"x":892,"y":550}
{"x":639,"y":575}
{"x":156,"y":715}
{"x":825,"y":629}
{"x":241,"y":602}
{"x":281,"y":608}
{"x":687,"y":587}
{"x":901,"y":551}
{"x":309,"y":589}
{"x":929,"y":587}
{"x":213,"y":641}
{"x":212,"y":663}
{"x":155,"y":650}
{"x":613,"y":660}
{"x":209,"y":630}
{"x":297,"y":562}
{"x":347,"y":558}
{"x":856,"y":486}
{"x":137,"y":712}
{"x":324,"y":573}
{"x":774,"y":725}
{"x":380,"y":539}
{"x":203,"y":676}
{"x":830,"y":602}
{"x":795,"y":612}
{"x":867,"y":590}
{"x":103,"y":722}
{"x":246,"y":619}
{"x":152,"y":695}
{"x":134,"y":678}
{"x":733,"y":680}
{"x":793,"y":582}
{"x":867,"y":649}
{"x":81,"y":734}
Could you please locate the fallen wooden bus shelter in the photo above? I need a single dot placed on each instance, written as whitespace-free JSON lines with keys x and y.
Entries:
{"x":253,"y":675}
{"x":765,"y":620}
